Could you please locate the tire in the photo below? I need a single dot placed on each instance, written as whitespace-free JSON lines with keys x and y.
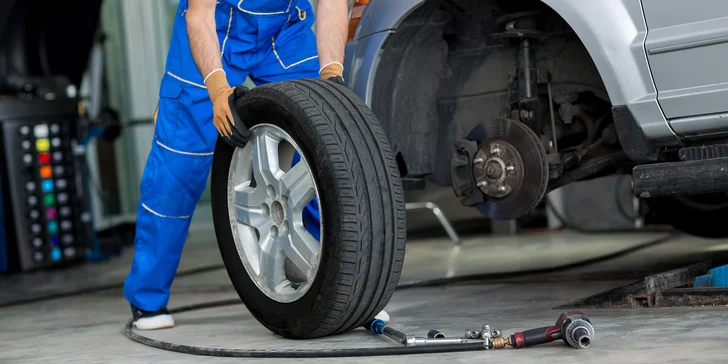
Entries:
{"x":704,"y":216}
{"x":362,"y":208}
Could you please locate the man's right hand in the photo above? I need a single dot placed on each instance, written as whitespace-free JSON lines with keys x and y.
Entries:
{"x":205,"y":49}
{"x":219,"y":91}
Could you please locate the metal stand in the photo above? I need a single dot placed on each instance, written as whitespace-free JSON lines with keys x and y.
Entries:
{"x":440,"y":217}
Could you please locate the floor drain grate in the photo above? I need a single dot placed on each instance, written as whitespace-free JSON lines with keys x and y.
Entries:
{"x":668,"y":289}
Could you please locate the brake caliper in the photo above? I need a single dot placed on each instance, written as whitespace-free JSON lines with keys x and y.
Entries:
{"x":461,"y":171}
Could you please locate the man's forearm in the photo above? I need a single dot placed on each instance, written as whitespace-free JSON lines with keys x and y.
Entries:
{"x":332,"y":29}
{"x":204,"y":44}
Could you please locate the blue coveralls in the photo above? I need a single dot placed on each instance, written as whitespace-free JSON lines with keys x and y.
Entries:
{"x":268,"y":40}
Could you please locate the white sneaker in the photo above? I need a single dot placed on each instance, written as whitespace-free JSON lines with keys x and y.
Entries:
{"x":384,"y":316}
{"x":146,"y":320}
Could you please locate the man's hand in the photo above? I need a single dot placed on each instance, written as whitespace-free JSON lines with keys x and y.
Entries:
{"x":332,"y":28}
{"x":331,"y":70}
{"x":220,"y":91}
{"x":337,"y":79}
{"x":205,"y":49}
{"x":222,"y":116}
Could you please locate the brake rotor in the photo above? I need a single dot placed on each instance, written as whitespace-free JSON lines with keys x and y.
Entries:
{"x":510,"y":168}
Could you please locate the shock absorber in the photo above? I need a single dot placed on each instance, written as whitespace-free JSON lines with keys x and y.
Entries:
{"x":521,"y":28}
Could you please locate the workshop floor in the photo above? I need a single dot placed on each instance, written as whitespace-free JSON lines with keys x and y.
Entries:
{"x":88,"y":328}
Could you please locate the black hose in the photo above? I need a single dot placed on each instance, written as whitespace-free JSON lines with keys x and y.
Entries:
{"x":433,"y":282}
{"x":288,"y":353}
{"x":43,"y":46}
{"x":540,"y":271}
{"x":307,"y":353}
{"x":359,"y":352}
{"x":571,"y":226}
{"x":104,"y":287}
{"x":214,"y":267}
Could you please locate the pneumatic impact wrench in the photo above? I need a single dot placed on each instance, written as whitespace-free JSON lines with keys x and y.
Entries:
{"x":574,"y":328}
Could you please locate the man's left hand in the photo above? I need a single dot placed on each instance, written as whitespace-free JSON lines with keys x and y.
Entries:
{"x":333,"y":72}
{"x":337,"y":79}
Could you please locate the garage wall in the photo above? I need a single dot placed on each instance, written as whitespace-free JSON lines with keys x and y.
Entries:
{"x":138,"y":33}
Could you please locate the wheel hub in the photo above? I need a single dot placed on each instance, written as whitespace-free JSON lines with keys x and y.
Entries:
{"x":494,"y":169}
{"x":266,"y":201}
{"x":498,"y":168}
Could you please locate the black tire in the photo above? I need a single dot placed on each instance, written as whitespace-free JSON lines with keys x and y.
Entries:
{"x":362,"y":204}
{"x":704,"y":216}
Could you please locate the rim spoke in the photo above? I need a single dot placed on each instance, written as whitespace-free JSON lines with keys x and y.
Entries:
{"x":299,"y":184}
{"x":251,"y":216}
{"x":265,"y":159}
{"x":301,"y":249}
{"x":249,"y":197}
{"x":272,"y":271}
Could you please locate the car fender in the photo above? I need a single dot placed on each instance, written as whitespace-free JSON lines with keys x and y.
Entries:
{"x":384,"y":15}
{"x":613,"y":33}
{"x":380,"y":18}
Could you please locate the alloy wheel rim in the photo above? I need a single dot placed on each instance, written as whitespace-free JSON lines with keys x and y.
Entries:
{"x":266,"y":199}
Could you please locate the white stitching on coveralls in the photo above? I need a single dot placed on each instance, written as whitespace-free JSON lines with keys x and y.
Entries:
{"x":164,"y":216}
{"x":273,"y":13}
{"x":186,"y":81}
{"x":181,"y":152}
{"x":230,"y":23}
{"x":273,"y":41}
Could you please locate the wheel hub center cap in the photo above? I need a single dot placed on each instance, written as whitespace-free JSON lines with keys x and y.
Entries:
{"x":494,"y":170}
{"x":278,"y":213}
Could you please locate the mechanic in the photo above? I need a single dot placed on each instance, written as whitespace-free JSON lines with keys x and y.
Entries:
{"x":216,"y":44}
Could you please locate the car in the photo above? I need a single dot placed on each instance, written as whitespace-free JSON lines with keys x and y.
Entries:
{"x":503,"y":100}
{"x":506,"y":100}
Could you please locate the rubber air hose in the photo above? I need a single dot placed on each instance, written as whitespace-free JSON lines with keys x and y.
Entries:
{"x":361,"y":352}
{"x":286,"y":353}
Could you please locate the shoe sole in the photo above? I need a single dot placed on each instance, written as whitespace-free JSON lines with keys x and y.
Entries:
{"x":154,"y":323}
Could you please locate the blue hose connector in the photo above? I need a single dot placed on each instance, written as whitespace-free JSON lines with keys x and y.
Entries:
{"x":377,"y":326}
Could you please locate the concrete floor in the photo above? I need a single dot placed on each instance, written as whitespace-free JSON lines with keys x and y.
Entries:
{"x":88,"y":328}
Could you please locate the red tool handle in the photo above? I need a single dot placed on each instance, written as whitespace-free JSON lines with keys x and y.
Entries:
{"x":541,"y":335}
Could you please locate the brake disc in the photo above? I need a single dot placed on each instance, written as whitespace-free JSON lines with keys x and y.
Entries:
{"x":510,"y":168}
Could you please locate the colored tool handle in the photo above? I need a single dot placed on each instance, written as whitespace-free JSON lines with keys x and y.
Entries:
{"x":541,"y":335}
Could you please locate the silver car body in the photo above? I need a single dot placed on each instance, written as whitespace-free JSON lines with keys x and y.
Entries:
{"x":663,"y":59}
